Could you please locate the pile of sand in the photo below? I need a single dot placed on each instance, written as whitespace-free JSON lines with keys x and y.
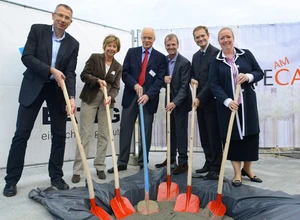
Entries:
{"x":166,"y":211}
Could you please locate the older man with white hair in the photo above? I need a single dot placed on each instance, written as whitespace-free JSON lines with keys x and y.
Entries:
{"x":143,"y":74}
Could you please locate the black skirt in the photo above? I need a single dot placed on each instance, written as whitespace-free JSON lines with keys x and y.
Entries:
{"x":244,"y":150}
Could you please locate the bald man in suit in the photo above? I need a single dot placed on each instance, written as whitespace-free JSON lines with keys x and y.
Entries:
{"x":140,"y":89}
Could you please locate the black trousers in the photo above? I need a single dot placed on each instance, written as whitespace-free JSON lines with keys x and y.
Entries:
{"x":210,"y":139}
{"x":129,"y":116}
{"x":25,"y":122}
{"x":179,"y":135}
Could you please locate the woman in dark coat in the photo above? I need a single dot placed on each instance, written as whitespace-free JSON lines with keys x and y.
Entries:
{"x":229,"y":67}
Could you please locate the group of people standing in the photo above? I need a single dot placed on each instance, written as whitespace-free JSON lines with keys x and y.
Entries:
{"x":50,"y":55}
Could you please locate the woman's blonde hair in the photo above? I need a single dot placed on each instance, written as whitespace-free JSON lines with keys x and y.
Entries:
{"x":111,"y":38}
{"x":225,"y":28}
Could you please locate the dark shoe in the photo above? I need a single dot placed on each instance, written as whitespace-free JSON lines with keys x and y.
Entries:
{"x":120,"y":168}
{"x":204,"y":169}
{"x":75,"y":178}
{"x":197,"y":175}
{"x":181,"y":169}
{"x":211,"y":176}
{"x":59,"y":184}
{"x":101,"y":175}
{"x":236,"y":183}
{"x":163,"y":164}
{"x":141,"y":167}
{"x":10,"y":190}
{"x":254,"y":179}
{"x":173,"y":166}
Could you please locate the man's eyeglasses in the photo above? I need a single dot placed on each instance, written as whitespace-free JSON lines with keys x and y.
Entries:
{"x":61,"y":16}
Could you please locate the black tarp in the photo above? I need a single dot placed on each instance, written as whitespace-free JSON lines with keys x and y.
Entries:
{"x":243,"y":202}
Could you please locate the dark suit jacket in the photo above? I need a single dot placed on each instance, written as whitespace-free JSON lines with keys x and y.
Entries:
{"x":200,"y":73}
{"x":180,"y":89}
{"x":95,"y":69}
{"x":37,"y":57}
{"x":155,"y":72}
{"x":221,"y":85}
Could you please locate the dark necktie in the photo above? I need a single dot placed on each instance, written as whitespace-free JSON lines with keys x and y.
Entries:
{"x":201,"y":57}
{"x":143,"y":69}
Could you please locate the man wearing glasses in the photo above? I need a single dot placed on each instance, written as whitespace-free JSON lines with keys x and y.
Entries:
{"x":50,"y":55}
{"x":143,"y":74}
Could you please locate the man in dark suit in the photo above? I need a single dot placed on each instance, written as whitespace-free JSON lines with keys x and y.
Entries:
{"x":50,"y":55}
{"x":206,"y":105}
{"x":178,"y":76}
{"x":143,"y":74}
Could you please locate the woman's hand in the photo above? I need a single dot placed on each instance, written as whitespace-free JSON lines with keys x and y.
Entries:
{"x":241,"y":78}
{"x":108,"y":101}
{"x":233,"y":106}
{"x":101,"y":83}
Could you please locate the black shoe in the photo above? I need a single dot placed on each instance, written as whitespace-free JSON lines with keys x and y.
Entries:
{"x":120,"y":168}
{"x":204,"y":169}
{"x":211,"y":176}
{"x":254,"y":179}
{"x":163,"y":164}
{"x":59,"y":184}
{"x":236,"y":183}
{"x":173,"y":165}
{"x":10,"y":190}
{"x":101,"y":174}
{"x":75,"y":178}
{"x":181,"y":169}
{"x":141,"y":167}
{"x":197,"y":175}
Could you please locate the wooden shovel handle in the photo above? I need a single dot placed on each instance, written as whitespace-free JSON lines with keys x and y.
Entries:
{"x":80,"y":147}
{"x":228,"y":137}
{"x":189,"y":182}
{"x":112,"y":143}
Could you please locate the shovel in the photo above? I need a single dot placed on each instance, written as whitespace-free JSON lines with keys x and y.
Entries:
{"x":145,"y":206}
{"x":95,"y":210}
{"x":168,"y":191}
{"x":216,"y":209}
{"x":120,"y":205}
{"x":188,"y":202}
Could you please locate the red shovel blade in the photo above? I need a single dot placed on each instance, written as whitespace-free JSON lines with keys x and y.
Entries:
{"x":121,"y":206}
{"x":187,"y":202}
{"x":167,"y":191}
{"x":215,"y":209}
{"x":98,"y":211}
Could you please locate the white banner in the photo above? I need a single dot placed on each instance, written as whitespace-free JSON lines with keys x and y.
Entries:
{"x":13,"y":36}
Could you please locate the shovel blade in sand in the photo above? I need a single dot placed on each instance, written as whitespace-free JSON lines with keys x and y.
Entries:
{"x":185,"y":203}
{"x":167,"y":191}
{"x":121,"y":207}
{"x":215,"y":209}
{"x":147,"y":207}
{"x":98,"y":211}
